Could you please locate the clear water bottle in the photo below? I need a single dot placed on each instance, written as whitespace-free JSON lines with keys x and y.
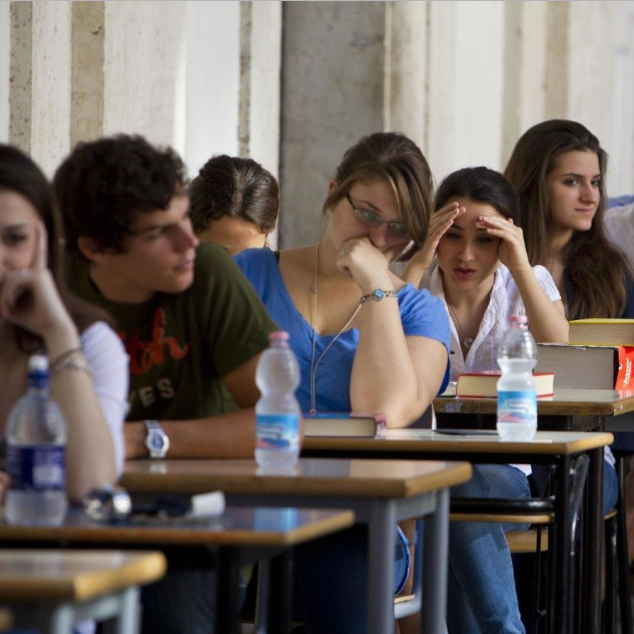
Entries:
{"x":36,"y":447}
{"x":517,"y":390}
{"x":277,"y":412}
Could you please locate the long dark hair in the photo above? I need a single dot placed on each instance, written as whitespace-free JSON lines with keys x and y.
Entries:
{"x":482,"y":185}
{"x":19,"y":174}
{"x":598,"y":270}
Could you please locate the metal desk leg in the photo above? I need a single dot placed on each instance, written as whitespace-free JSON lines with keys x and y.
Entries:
{"x":559,"y":564}
{"x":381,"y":540}
{"x":594,"y":536}
{"x":435,"y":558}
{"x":62,"y":619}
{"x":622,"y":554}
{"x":227,"y":593}
{"x":279,"y":612}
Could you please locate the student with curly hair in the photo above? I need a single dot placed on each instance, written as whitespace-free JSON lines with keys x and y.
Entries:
{"x":191,"y":323}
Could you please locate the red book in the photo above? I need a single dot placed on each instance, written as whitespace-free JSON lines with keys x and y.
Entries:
{"x":484,"y":384}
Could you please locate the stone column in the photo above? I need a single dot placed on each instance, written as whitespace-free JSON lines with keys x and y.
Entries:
{"x":144,"y":70}
{"x":407,"y":69}
{"x":212,"y":81}
{"x":466,"y":85}
{"x":39,"y":94}
{"x":5,"y":69}
{"x":332,"y":95}
{"x":88,"y":38}
{"x":524,"y":70}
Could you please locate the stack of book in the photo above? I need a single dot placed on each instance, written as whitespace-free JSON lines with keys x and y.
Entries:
{"x":484,"y":384}
{"x":344,"y":424}
{"x":599,"y":356}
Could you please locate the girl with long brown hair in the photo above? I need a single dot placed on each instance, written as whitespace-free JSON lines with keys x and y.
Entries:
{"x":557,"y":170}
{"x":88,"y":365}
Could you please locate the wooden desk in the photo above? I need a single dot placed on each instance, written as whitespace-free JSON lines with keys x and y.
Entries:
{"x":51,"y":590}
{"x":557,"y":448}
{"x":568,"y":410}
{"x":241,"y":534}
{"x":379,"y":492}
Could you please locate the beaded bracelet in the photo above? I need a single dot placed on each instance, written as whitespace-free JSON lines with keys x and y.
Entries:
{"x":71,"y":364}
{"x":377,"y":295}
{"x":65,"y":355}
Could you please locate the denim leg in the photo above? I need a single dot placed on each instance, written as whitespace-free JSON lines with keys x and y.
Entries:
{"x":331,"y":576}
{"x":482,"y":596}
{"x":610,"y":486}
{"x":181,"y":602}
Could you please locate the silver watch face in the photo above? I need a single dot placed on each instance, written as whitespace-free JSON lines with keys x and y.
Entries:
{"x":156,"y":441}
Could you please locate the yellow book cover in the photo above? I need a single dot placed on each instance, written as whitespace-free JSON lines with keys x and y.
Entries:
{"x":602,"y":332}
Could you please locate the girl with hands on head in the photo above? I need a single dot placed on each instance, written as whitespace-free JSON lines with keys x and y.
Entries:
{"x":483,"y":274}
{"x":88,"y":365}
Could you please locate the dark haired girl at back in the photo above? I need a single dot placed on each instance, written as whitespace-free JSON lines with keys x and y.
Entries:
{"x":234,"y":202}
{"x":474,"y":259}
{"x":87,"y":363}
{"x":558,"y":171}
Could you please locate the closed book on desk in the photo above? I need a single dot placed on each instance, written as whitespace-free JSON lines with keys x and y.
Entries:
{"x":587,"y":367}
{"x":484,"y":384}
{"x":342,"y":424}
{"x":602,"y":332}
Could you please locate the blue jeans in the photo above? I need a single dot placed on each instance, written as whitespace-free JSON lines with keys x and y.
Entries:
{"x":481,"y":592}
{"x":330,"y":581}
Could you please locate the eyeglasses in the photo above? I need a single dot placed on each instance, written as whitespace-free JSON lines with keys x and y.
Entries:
{"x":372,"y":220}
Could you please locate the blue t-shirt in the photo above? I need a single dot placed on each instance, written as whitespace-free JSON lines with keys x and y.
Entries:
{"x":421,"y":314}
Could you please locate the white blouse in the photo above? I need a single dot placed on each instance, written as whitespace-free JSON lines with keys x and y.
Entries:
{"x":505,"y":301}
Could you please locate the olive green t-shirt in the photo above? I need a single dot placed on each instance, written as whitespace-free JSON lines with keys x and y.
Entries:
{"x":181,"y":344}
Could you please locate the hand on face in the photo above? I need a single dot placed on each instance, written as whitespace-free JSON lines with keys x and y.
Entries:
{"x":512,"y":251}
{"x":439,"y":223}
{"x":366,"y":263}
{"x":29,"y":297}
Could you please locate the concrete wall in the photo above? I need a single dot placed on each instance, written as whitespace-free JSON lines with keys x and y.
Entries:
{"x":174,"y":72}
{"x":294,"y":84}
{"x":332,"y":94}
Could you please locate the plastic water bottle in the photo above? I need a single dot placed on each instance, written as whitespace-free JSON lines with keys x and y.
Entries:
{"x":517,"y":390}
{"x":277,"y":412}
{"x":36,"y":447}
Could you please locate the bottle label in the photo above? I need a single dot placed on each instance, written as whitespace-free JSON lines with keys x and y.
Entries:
{"x":40,"y":467}
{"x":517,"y":406}
{"x":277,"y":431}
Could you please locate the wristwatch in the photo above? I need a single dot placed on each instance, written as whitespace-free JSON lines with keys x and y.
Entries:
{"x":156,"y":440}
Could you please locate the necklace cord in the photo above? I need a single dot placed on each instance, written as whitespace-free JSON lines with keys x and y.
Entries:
{"x":315,"y":364}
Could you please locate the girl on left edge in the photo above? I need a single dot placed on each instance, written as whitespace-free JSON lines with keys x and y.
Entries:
{"x":88,"y":365}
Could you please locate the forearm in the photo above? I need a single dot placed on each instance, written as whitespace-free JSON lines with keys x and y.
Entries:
{"x":90,"y":457}
{"x":383,"y":376}
{"x":226,"y":436}
{"x":546,"y":320}
{"x":414,"y":271}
